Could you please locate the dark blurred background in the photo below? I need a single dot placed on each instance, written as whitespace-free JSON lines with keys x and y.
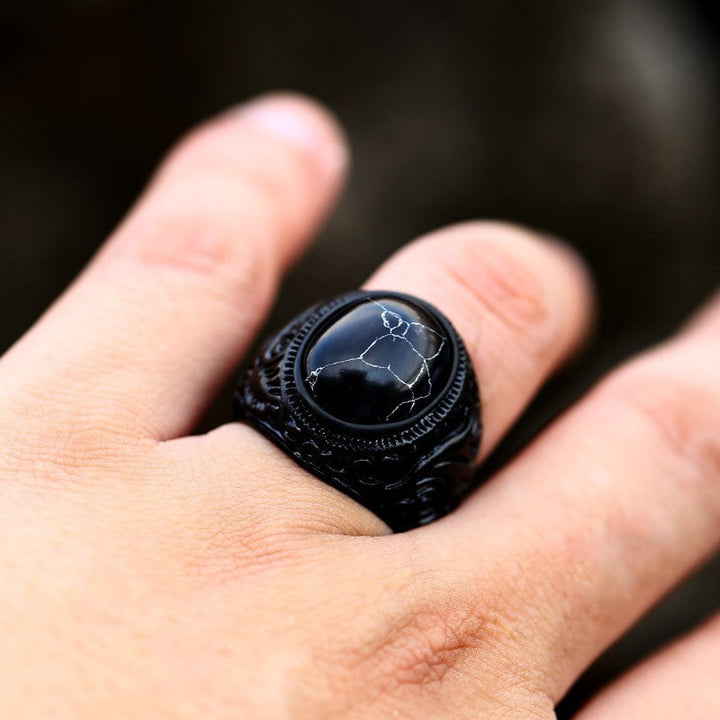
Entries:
{"x":597,"y":121}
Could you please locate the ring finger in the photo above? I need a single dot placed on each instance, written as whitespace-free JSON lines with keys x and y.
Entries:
{"x":520,"y":303}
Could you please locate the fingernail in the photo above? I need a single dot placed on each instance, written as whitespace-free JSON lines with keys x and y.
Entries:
{"x":300,"y":123}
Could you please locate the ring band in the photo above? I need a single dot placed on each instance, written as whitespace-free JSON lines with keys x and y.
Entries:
{"x":374,"y":393}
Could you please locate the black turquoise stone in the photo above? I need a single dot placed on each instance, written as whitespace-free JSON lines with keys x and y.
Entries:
{"x":374,"y":393}
{"x":382,"y":360}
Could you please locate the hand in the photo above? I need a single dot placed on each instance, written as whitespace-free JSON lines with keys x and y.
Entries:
{"x":151,"y":574}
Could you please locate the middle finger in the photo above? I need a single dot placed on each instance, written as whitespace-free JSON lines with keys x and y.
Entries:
{"x":519,"y":303}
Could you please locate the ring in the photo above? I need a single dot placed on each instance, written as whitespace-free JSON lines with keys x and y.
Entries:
{"x":374,"y":393}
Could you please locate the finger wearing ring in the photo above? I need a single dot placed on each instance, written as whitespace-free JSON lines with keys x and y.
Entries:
{"x":520,"y":305}
{"x":372,"y":392}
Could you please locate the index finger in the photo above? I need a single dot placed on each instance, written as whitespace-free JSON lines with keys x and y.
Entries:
{"x":145,"y":336}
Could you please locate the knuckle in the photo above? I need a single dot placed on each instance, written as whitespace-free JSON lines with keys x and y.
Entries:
{"x":219,"y":205}
{"x":434,"y":637}
{"x":433,"y":653}
{"x":185,"y":240}
{"x":71,"y":451}
{"x":418,"y":651}
{"x":679,"y":413}
{"x":488,"y":267}
{"x":207,"y":246}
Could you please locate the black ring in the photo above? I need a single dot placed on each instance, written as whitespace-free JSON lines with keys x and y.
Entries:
{"x":374,"y":393}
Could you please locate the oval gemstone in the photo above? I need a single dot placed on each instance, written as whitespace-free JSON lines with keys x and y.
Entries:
{"x":384,"y":360}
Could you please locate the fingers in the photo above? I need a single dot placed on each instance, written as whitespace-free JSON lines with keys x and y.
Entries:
{"x":520,"y":303}
{"x":164,"y":311}
{"x":606,"y":510}
{"x":677,"y":683}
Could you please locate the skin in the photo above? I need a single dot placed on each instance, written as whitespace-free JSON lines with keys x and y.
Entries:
{"x":150,"y":574}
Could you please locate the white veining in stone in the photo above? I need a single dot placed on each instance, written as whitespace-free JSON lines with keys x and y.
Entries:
{"x":397,"y":329}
